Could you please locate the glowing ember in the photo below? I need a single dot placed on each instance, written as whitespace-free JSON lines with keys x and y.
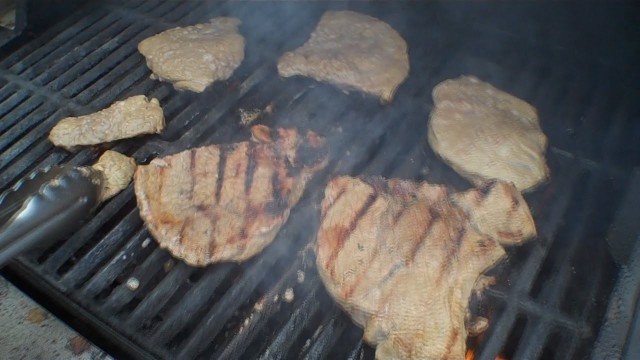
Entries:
{"x":470,"y":356}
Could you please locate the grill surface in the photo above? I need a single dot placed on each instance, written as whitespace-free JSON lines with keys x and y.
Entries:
{"x":551,"y":293}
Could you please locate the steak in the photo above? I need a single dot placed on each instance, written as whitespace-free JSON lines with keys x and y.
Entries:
{"x":117,"y":170}
{"x":193,"y":57}
{"x":352,"y":51}
{"x":485,"y":133}
{"x":123,"y":119}
{"x":402,"y":258}
{"x":227,"y":202}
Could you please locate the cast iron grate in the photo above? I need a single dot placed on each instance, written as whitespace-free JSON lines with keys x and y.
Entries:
{"x":551,"y":293}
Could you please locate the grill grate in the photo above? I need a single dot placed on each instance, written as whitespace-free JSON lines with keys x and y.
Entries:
{"x":551,"y":293}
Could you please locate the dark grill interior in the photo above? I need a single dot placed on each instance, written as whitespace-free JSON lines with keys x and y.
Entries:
{"x":551,"y":293}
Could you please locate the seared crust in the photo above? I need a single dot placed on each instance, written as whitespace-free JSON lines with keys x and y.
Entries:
{"x":402,"y":258}
{"x":226,"y":202}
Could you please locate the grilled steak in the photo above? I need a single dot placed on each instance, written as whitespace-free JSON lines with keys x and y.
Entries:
{"x":485,"y":133}
{"x":402,"y":257}
{"x":123,"y":119}
{"x":352,"y":51}
{"x":227,"y":202}
{"x":117,"y":170}
{"x":193,"y":57}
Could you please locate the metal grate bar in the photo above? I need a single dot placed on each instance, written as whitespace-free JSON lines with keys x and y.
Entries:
{"x":105,"y":248}
{"x":554,"y":289}
{"x":265,"y":309}
{"x":329,"y":331}
{"x":159,"y":22}
{"x":115,"y":267}
{"x":356,"y":353}
{"x":144,"y":273}
{"x":536,"y":310}
{"x":86,"y":87}
{"x":115,"y":89}
{"x":12,"y":96}
{"x":94,"y":64}
{"x":31,"y":156}
{"x":26,"y":57}
{"x":193,"y":300}
{"x":598,"y":282}
{"x":19,"y":122}
{"x":160,"y":295}
{"x":54,"y":97}
{"x":76,"y":241}
{"x":69,"y":52}
{"x":17,"y":149}
{"x":620,"y":123}
{"x":222,"y":311}
{"x":212,"y":118}
{"x":85,"y":56}
{"x":162,"y":92}
{"x":568,"y":351}
{"x":290,"y":331}
{"x":123,"y":59}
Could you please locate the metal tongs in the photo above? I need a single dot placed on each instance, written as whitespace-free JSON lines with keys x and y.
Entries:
{"x":45,"y":206}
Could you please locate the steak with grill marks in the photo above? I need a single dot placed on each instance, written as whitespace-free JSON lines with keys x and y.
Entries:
{"x":403,"y":257}
{"x":227,"y":202}
{"x":351,"y":51}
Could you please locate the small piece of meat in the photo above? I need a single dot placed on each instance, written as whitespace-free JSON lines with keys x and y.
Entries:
{"x":227,"y":202}
{"x":351,"y":51}
{"x":402,"y":258}
{"x":485,"y":133}
{"x":117,"y":170}
{"x":123,"y":119}
{"x":193,"y":57}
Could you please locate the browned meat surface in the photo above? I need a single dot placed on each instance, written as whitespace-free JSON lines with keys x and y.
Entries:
{"x":117,"y":170}
{"x":193,"y":57}
{"x":123,"y":119}
{"x":227,"y":202}
{"x":485,"y":133}
{"x":352,"y":51}
{"x":403,"y":257}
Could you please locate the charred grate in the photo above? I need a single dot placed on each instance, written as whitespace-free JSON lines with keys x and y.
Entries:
{"x":551,"y":293}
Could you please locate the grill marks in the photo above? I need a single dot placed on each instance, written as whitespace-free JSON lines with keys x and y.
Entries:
{"x":342,"y":233}
{"x":372,"y":259}
{"x":434,"y":218}
{"x":279,"y":201}
{"x":453,"y":338}
{"x":184,"y":226}
{"x":221,"y":202}
{"x":337,"y":198}
{"x":222,"y":163}
{"x":192,"y":169}
{"x":251,"y":168}
{"x":485,"y":189}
